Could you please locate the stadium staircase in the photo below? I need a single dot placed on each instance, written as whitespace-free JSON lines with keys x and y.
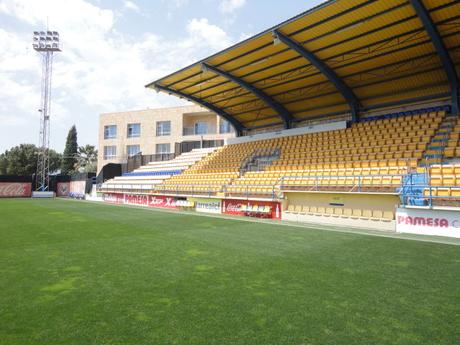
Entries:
{"x":259,"y":160}
{"x":412,"y":190}
{"x":434,"y":153}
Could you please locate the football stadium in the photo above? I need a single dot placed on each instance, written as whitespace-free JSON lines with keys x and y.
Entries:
{"x":331,"y":216}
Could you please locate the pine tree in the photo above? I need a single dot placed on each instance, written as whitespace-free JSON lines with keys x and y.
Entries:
{"x":70,"y":152}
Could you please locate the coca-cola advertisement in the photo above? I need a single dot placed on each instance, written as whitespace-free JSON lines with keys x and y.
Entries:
{"x":252,"y":208}
{"x":141,"y":200}
{"x":15,"y":190}
{"x":63,"y":189}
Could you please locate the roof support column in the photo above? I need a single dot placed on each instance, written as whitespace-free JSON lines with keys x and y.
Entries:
{"x":441,"y":49}
{"x":344,"y":89}
{"x":279,"y":108}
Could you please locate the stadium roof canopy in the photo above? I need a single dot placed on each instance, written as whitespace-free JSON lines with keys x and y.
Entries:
{"x":344,"y":57}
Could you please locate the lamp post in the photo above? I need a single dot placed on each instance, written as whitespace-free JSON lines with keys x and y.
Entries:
{"x":46,"y":43}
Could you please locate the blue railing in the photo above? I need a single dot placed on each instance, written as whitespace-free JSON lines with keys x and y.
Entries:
{"x":153,"y":173}
{"x":431,"y":195}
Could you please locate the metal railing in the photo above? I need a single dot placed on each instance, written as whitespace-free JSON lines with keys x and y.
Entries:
{"x":360,"y":183}
{"x":193,"y":131}
{"x":409,"y":163}
{"x":432,"y":196}
{"x":259,"y":159}
{"x":138,"y":160}
{"x":193,"y":190}
{"x":356,"y":183}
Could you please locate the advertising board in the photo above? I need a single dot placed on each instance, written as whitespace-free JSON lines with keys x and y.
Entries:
{"x":15,"y":189}
{"x":240,"y":207}
{"x":141,"y":200}
{"x":428,"y":222}
{"x":207,"y":205}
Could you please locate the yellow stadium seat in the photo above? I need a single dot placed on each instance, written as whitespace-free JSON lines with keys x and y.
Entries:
{"x":388,"y":215}
{"x":366,"y":214}
{"x":436,"y":180}
{"x":443,"y":192}
{"x":356,"y":213}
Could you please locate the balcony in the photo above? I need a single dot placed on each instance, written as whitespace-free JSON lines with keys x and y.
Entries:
{"x":201,"y":131}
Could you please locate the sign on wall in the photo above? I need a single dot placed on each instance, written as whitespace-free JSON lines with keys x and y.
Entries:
{"x":141,"y":200}
{"x":237,"y":207}
{"x":77,"y":189}
{"x":63,"y":189}
{"x":428,"y":222}
{"x":15,"y":189}
{"x":207,"y":205}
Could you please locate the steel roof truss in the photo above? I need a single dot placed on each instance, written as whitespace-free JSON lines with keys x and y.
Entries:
{"x":441,"y":49}
{"x":235,"y":123}
{"x":279,"y":109}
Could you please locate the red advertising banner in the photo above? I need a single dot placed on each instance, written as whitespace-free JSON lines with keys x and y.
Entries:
{"x":63,"y":189}
{"x":15,"y":189}
{"x":251,"y":208}
{"x":141,"y":200}
{"x":113,"y":198}
{"x":162,"y":201}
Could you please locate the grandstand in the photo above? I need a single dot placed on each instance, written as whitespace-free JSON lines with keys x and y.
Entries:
{"x":146,"y":177}
{"x":349,"y":110}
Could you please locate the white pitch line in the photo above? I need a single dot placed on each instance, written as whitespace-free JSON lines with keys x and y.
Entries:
{"x":356,"y":231}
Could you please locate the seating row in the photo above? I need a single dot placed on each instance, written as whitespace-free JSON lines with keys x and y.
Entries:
{"x":341,"y":212}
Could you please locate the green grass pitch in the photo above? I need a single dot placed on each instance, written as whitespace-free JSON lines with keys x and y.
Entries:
{"x":86,"y":273}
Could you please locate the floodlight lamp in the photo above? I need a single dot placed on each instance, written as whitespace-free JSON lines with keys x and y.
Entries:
{"x":42,"y":33}
{"x":55,"y":33}
{"x":49,"y":33}
{"x":36,"y":33}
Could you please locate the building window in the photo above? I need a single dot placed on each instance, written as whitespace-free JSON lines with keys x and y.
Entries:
{"x":201,"y":128}
{"x":110,"y":152}
{"x":163,"y":148}
{"x":133,"y":150}
{"x":225,"y":127}
{"x":134,"y":130}
{"x":163,"y":128}
{"x":110,"y":132}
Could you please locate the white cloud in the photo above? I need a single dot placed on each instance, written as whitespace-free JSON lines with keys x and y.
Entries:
{"x":177,"y":3}
{"x":201,"y":29}
{"x":229,"y":6}
{"x":99,"y":69}
{"x":129,"y":5}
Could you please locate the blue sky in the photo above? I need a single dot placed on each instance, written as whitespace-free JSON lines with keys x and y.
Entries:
{"x":111,"y":49}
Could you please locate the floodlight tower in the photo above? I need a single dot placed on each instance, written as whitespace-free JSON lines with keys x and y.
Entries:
{"x":46,"y":43}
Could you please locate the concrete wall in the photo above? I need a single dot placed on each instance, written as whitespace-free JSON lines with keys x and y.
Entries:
{"x":373,"y":202}
{"x":362,"y":201}
{"x":332,"y":126}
